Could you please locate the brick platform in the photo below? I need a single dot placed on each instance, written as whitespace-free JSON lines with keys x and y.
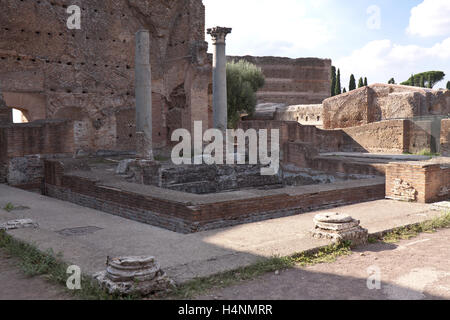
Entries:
{"x":187,"y":213}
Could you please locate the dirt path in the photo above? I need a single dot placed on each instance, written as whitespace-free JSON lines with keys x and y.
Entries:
{"x":415,"y":269}
{"x":14,"y":285}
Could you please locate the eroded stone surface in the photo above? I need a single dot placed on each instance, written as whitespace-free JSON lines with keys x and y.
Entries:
{"x":134,"y":275}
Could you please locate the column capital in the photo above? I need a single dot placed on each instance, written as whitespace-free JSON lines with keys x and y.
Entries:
{"x":218,"y":34}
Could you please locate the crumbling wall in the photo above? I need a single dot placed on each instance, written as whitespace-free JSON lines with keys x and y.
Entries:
{"x":292,"y":81}
{"x":87,"y":75}
{"x":381,"y":102}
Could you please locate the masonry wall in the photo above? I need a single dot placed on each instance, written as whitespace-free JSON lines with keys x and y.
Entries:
{"x":87,"y":75}
{"x":381,"y":102}
{"x":24,"y":146}
{"x":194,"y":215}
{"x":418,"y":182}
{"x":293,"y":81}
{"x":311,"y":115}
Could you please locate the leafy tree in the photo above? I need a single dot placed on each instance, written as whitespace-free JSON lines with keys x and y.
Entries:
{"x":333,"y":80}
{"x":243,"y":80}
{"x":365,"y":82}
{"x":431,"y":78}
{"x":352,"y":84}
{"x":391,"y":81}
{"x":448,"y":85}
{"x":360,"y":83}
{"x":337,"y":89}
{"x":344,"y":91}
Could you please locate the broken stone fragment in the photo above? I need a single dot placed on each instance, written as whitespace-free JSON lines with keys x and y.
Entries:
{"x":134,"y":275}
{"x":18,"y":224}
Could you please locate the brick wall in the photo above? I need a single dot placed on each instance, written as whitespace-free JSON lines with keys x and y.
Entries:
{"x":293,"y":81}
{"x":445,"y":137}
{"x":41,"y":137}
{"x":418,"y":181}
{"x":193,"y":214}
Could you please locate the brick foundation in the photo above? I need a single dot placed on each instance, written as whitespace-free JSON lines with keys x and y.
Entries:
{"x":194,"y":213}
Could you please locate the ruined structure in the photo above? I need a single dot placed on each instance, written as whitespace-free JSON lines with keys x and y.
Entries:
{"x":292,"y":81}
{"x":379,"y":102}
{"x":87,"y":75}
{"x":339,"y":228}
{"x":134,"y":275}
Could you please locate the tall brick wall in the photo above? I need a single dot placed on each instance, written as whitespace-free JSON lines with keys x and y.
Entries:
{"x":87,"y":75}
{"x":293,"y":81}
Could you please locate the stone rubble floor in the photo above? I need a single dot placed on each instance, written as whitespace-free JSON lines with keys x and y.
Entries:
{"x":415,"y":269}
{"x":94,"y":235}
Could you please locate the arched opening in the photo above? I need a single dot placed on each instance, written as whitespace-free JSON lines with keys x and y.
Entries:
{"x":19,"y":116}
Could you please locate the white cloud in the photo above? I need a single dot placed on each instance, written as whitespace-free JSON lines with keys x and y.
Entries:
{"x":382,"y":59}
{"x":264,"y":27}
{"x":430,"y":18}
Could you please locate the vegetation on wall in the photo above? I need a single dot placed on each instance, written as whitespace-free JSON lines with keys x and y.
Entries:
{"x":244,"y":79}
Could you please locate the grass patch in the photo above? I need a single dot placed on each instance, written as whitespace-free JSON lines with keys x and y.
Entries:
{"x":406,"y":233}
{"x":9,"y":207}
{"x":201,"y":285}
{"x":34,"y":262}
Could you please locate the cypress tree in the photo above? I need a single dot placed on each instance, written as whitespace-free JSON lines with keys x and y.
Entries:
{"x":344,"y":91}
{"x":360,"y":83}
{"x":448,"y":85}
{"x":422,"y":82}
{"x":333,"y":81}
{"x":365,"y":82}
{"x":352,"y":84}
{"x":337,"y":90}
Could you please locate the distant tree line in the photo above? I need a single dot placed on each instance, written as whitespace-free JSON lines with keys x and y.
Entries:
{"x":336,"y":86}
{"x":425,"y":79}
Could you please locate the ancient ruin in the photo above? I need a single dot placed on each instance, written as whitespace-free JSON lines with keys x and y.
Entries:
{"x":339,"y":228}
{"x":134,"y":275}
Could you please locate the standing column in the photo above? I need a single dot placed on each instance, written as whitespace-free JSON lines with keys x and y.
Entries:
{"x":220,"y":115}
{"x":143,"y":85}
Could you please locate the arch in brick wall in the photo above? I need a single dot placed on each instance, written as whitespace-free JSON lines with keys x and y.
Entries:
{"x":32,"y":105}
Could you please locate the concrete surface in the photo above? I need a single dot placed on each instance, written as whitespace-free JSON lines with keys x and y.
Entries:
{"x":184,"y":256}
{"x":416,"y":269}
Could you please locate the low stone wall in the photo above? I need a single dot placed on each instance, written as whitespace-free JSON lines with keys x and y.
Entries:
{"x":423,"y":182}
{"x":186,"y":213}
{"x":445,"y":137}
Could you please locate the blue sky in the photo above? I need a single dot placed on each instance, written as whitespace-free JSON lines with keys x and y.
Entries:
{"x":379,"y":39}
